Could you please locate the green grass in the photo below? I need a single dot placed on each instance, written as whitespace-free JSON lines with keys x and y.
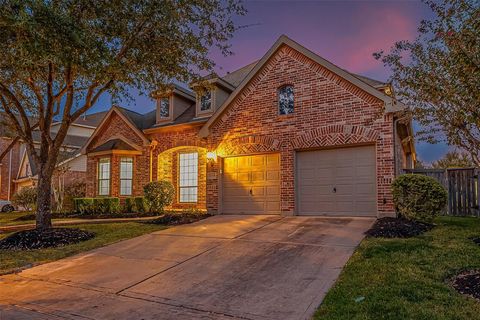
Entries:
{"x":10,"y":218}
{"x":407,"y":278}
{"x":105,"y":234}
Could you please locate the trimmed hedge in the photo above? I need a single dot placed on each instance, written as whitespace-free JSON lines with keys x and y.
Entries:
{"x":104,"y":205}
{"x":418,"y":197}
{"x":129,"y":205}
{"x":135,"y":204}
{"x":83,"y":205}
{"x":141,"y":205}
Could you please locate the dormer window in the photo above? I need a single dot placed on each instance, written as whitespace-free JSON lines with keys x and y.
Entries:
{"x":286,"y":100}
{"x":206,"y":101}
{"x":164,"y":107}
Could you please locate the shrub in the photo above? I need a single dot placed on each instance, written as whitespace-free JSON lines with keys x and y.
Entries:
{"x":72,"y":191}
{"x":105,"y":205}
{"x":129,"y":205}
{"x":83,"y":205}
{"x":418,"y":197}
{"x":26,"y":198}
{"x":159,"y":194}
{"x":141,"y":204}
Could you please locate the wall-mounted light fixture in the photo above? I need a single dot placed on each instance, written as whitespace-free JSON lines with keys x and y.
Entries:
{"x":212,"y":155}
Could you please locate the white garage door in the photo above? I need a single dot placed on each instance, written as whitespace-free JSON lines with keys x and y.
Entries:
{"x":336,"y":182}
{"x":251,"y":184}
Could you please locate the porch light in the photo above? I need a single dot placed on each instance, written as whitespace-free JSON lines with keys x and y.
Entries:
{"x":212,"y":155}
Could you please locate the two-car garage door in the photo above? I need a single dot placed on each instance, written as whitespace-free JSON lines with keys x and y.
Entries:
{"x":338,"y":182}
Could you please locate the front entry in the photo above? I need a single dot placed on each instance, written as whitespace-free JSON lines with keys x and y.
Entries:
{"x":251,"y":184}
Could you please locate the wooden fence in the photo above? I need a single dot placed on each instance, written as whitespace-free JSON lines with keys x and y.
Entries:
{"x":463,"y":186}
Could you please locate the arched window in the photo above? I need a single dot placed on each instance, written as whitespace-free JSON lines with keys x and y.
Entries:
{"x":286,"y":100}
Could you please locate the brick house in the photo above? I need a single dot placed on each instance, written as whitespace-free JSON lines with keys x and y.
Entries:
{"x":17,"y":170}
{"x":289,"y":134}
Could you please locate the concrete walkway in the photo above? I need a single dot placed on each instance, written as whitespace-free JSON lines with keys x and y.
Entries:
{"x":224,"y":267}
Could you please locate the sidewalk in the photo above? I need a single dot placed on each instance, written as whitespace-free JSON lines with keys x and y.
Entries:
{"x":21,"y":227}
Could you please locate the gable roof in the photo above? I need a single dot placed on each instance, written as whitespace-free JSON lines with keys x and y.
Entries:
{"x":236,"y":77}
{"x":114,"y":144}
{"x":131,"y":118}
{"x":391,"y":105}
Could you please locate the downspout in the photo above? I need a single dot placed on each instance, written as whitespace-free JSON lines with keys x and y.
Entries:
{"x":9,"y":174}
{"x":395,"y":122}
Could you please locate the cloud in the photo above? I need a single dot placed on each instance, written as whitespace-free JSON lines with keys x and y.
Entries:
{"x":376,"y":29}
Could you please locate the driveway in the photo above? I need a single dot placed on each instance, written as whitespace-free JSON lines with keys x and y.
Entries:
{"x":224,"y":267}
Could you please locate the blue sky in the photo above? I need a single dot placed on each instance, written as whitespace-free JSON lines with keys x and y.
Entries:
{"x":343,"y":32}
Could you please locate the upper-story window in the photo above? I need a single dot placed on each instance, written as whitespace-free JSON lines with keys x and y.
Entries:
{"x":165,"y":107}
{"x":286,"y":100}
{"x":206,"y":101}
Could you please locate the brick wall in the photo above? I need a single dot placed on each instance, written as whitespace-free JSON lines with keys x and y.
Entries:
{"x":329,"y":111}
{"x":114,"y":127}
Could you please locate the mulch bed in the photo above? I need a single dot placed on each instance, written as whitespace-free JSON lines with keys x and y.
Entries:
{"x":172,"y":219}
{"x":397,"y":228}
{"x":50,"y":238}
{"x":468,"y":283}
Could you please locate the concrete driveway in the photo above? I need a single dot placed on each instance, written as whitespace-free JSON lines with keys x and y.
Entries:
{"x":224,"y":267}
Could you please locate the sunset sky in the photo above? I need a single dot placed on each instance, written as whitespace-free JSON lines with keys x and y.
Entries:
{"x":343,"y":32}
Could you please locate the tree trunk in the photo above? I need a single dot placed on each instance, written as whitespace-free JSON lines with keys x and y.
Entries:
{"x":44,"y":200}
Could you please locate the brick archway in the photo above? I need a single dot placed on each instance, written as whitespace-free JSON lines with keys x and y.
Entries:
{"x":334,"y":135}
{"x":247,"y":145}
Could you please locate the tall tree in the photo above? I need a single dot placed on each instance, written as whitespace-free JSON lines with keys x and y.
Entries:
{"x":454,"y":159}
{"x":438,"y":74}
{"x":58,"y":57}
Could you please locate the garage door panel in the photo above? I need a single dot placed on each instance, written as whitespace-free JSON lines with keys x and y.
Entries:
{"x":255,"y":186}
{"x":351,"y":171}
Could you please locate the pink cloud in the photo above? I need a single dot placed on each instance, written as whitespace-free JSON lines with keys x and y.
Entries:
{"x":379,"y":29}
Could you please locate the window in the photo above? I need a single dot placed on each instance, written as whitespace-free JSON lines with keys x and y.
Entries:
{"x":104,"y":177}
{"x":206,"y":101}
{"x":164,"y":107}
{"x":126,"y":176}
{"x":188,"y":178}
{"x":285,"y":100}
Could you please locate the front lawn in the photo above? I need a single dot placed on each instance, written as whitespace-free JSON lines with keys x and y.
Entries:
{"x":105,"y":234}
{"x":406,"y":278}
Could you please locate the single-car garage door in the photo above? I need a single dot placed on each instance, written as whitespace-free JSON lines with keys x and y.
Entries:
{"x":251,"y":184}
{"x":336,"y":182}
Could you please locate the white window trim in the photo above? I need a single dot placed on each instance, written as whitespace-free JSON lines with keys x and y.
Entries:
{"x":100,"y":161}
{"x":212,"y":103}
{"x":169,"y":98}
{"x":278,"y":100}
{"x":180,"y":187}
{"x":131,"y":160}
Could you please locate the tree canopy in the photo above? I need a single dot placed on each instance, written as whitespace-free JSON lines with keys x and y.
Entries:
{"x":58,"y":57}
{"x":438,"y":74}
{"x":454,"y":159}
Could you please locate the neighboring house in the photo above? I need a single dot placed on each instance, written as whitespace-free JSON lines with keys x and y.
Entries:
{"x":289,"y":134}
{"x":19,"y":171}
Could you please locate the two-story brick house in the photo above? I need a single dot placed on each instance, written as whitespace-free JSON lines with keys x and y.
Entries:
{"x":289,"y":134}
